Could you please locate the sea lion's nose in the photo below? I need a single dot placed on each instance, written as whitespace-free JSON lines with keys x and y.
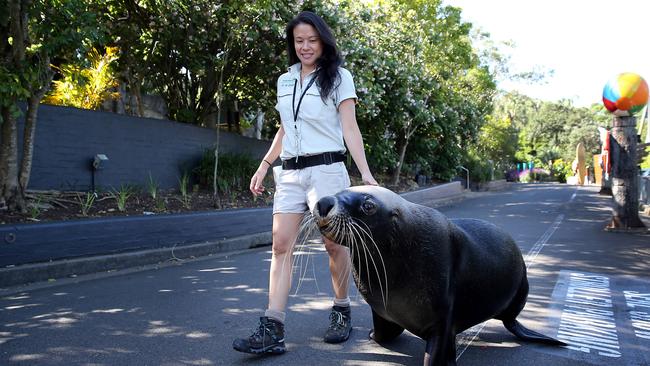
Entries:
{"x":324,"y":205}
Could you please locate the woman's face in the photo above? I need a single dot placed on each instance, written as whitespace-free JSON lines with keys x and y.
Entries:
{"x":307,"y":44}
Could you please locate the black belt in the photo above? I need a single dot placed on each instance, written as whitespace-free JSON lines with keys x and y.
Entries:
{"x":312,"y":160}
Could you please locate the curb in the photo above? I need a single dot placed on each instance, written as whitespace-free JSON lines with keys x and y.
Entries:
{"x":47,"y":271}
{"x":30,"y":273}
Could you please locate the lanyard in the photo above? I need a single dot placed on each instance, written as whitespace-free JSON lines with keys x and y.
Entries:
{"x":293,"y":100}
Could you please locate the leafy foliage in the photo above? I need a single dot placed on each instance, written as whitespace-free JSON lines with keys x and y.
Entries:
{"x":548,"y":132}
{"x":195,"y":52}
{"x":416,"y":99}
{"x":86,"y":87}
{"x":480,"y":170}
{"x":235,"y":171}
{"x":31,"y":34}
{"x":497,"y":142}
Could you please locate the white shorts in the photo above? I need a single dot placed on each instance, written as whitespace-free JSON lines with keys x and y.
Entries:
{"x":298,"y":190}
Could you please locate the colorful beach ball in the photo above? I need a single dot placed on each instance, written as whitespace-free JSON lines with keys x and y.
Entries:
{"x":626,"y":94}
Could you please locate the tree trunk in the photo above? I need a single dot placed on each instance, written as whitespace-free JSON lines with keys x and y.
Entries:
{"x":398,"y":169}
{"x":134,"y":94}
{"x":5,"y":152}
{"x":10,"y":195}
{"x":29,"y":133}
{"x":625,"y":180}
{"x":28,"y":141}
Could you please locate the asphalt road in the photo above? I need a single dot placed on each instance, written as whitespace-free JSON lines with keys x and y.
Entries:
{"x":589,"y":287}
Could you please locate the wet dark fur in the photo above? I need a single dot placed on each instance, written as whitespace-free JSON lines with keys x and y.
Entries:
{"x":441,"y":276}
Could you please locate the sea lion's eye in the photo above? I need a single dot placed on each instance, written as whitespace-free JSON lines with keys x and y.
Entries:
{"x":368,"y":207}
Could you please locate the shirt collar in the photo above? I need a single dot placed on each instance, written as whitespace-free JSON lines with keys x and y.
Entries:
{"x":295,"y":69}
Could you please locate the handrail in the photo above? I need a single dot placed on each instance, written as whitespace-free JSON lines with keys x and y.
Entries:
{"x":467,"y":170}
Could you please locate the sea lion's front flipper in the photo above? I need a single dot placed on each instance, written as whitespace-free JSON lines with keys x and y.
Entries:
{"x":384,"y":330}
{"x":440,"y":351}
{"x":441,"y":346}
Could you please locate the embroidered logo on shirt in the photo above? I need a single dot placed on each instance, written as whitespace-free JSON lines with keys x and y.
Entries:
{"x":286,"y":83}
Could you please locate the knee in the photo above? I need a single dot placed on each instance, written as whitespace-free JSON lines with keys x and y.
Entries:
{"x":332,"y":248}
{"x":282,"y":243}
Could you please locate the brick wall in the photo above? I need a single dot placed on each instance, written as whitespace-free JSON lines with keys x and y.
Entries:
{"x":67,"y":139}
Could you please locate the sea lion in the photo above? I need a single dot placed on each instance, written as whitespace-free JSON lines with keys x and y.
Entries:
{"x":423,"y":272}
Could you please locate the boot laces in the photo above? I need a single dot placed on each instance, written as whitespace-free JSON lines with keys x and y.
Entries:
{"x":262,"y":330}
{"x":337,"y":320}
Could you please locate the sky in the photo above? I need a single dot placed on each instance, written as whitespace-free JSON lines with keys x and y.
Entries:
{"x":585,"y":42}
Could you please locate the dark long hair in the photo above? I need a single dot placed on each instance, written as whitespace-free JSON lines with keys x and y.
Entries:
{"x":328,"y":63}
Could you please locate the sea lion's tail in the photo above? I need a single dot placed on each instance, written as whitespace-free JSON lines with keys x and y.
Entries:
{"x":526,"y":334}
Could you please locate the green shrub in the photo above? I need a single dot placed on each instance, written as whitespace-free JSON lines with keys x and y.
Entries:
{"x":234,"y":171}
{"x":560,"y":170}
{"x":480,"y":170}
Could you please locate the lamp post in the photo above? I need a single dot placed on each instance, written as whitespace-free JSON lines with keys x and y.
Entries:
{"x":98,"y":163}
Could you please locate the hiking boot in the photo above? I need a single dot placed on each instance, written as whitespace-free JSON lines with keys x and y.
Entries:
{"x":340,"y":325}
{"x":268,"y":338}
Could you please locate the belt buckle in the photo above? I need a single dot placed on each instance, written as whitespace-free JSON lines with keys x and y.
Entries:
{"x":327,"y":157}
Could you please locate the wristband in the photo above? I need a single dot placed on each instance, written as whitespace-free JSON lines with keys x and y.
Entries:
{"x":267,"y":162}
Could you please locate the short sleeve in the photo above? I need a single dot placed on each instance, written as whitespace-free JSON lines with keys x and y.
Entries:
{"x":277,"y":97}
{"x":346,"y":88}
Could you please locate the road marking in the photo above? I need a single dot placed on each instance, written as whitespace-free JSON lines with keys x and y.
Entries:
{"x":604,"y":319}
{"x":587,"y":322}
{"x":534,"y":251}
{"x":468,"y":336}
{"x":640,"y":319}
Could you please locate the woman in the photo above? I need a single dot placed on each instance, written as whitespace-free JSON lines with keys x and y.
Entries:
{"x":316,"y":101}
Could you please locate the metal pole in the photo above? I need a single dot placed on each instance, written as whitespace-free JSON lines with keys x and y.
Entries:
{"x":467,"y":170}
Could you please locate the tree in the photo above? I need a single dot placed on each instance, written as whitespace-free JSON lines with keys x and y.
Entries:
{"x":413,"y":94}
{"x":31,"y":33}
{"x":185,"y":43}
{"x":625,"y":176}
{"x":497,"y":141}
{"x":550,"y":131}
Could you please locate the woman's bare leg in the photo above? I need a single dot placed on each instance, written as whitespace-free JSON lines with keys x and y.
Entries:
{"x":285,"y":232}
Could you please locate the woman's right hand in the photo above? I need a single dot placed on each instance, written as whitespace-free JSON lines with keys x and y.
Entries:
{"x":258,"y":178}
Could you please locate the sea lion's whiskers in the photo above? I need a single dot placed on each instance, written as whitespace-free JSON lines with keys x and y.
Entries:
{"x":339,"y":228}
{"x":289,"y":254}
{"x":384,"y":294}
{"x":368,"y":234}
{"x":338,"y":223}
{"x":365,"y":254}
{"x":302,"y":265}
{"x":306,"y":229}
{"x":357,"y":237}
{"x":351,"y":242}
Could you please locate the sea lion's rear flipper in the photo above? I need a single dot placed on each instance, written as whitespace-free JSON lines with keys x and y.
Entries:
{"x":526,"y":334}
{"x":384,"y":330}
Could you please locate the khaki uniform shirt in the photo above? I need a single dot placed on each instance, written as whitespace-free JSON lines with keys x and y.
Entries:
{"x":318,"y":126}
